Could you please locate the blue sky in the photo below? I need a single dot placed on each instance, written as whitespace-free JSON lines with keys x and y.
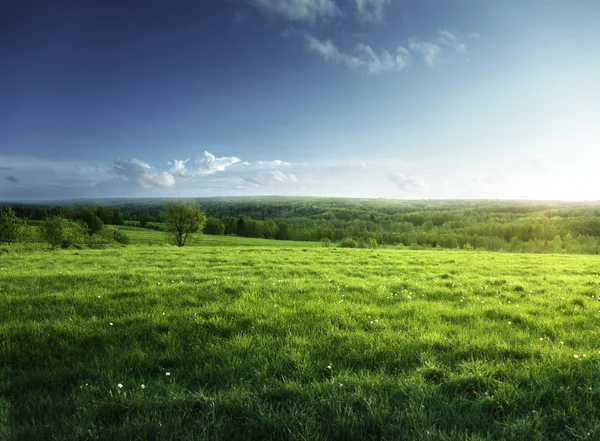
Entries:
{"x":359,"y":98}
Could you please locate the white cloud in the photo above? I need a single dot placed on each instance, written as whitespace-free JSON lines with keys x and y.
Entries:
{"x":371,"y":10}
{"x":142,"y":174}
{"x":430,"y":51}
{"x":306,"y":11}
{"x":364,"y":57}
{"x":410,"y":184}
{"x":447,"y":38}
{"x":207,"y":165}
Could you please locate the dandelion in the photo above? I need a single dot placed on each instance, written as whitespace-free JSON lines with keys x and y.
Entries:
{"x":329,"y":367}
{"x":110,"y":324}
{"x":120,"y":386}
{"x":143,"y":386}
{"x":585,"y":355}
{"x":371,"y":321}
{"x":575,"y":356}
{"x":168,"y":374}
{"x":541,"y":338}
{"x":510,"y":323}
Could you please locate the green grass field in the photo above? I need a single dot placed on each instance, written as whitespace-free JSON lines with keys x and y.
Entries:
{"x":297,"y":342}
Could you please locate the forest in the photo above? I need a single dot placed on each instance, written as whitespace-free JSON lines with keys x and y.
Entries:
{"x":511,"y":226}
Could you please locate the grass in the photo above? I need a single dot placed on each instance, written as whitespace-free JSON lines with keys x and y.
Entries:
{"x":305,"y":343}
{"x":141,"y":236}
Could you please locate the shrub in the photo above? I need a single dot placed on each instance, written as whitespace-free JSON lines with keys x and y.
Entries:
{"x":114,"y":234}
{"x":348,"y":242}
{"x":325,"y":241}
{"x":214,"y":227}
{"x":92,"y":222}
{"x":58,"y":231}
{"x":12,"y":229}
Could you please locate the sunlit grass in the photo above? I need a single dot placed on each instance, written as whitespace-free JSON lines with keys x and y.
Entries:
{"x":260,"y":342}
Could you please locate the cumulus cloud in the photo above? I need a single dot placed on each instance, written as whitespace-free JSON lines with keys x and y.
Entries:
{"x":363,"y":57}
{"x":142,"y":174}
{"x":371,"y":10}
{"x":447,"y":38}
{"x":208,"y":164}
{"x":305,"y":11}
{"x":430,"y":51}
{"x":12,"y":179}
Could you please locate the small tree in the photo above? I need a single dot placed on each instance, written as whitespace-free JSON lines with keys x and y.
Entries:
{"x":92,"y":221}
{"x":183,"y":218}
{"x":214,"y":226}
{"x":58,"y":231}
{"x":348,"y":242}
{"x":12,"y":229}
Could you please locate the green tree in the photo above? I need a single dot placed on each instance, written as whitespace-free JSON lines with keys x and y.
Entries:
{"x":348,"y":242}
{"x":58,"y":231}
{"x":183,"y":218}
{"x":12,"y":229}
{"x":92,"y":221}
{"x":214,"y":226}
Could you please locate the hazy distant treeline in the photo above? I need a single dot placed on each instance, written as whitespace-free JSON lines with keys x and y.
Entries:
{"x":491,"y":225}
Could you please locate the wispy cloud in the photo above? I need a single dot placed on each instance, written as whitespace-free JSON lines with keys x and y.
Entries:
{"x":142,"y":174}
{"x":371,"y":10}
{"x":363,"y":57}
{"x":410,"y":184}
{"x":305,"y":11}
{"x":300,"y":17}
{"x":12,"y":178}
{"x":447,"y":38}
{"x":430,"y":51}
{"x":5,"y":168}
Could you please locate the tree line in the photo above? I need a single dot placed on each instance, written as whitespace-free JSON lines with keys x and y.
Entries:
{"x":511,"y":226}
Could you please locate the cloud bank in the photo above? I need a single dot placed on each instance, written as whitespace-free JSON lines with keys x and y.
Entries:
{"x":142,"y":174}
{"x":537,"y":177}
{"x":208,"y":175}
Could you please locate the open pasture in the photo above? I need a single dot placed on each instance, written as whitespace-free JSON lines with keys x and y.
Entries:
{"x":237,"y":342}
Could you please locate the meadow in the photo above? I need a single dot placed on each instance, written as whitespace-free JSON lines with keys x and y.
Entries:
{"x":234,"y":338}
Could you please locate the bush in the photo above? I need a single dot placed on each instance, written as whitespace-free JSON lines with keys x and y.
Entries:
{"x":114,"y":234}
{"x":325,"y":241}
{"x":93,"y":223}
{"x":12,"y":229}
{"x":348,"y":242}
{"x":214,"y":227}
{"x":58,"y":231}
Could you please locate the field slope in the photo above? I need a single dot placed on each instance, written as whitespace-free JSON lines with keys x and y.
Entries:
{"x":215,"y":342}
